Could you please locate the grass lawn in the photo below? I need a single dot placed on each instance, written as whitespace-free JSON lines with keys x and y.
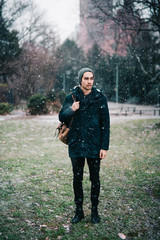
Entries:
{"x":36,"y":184}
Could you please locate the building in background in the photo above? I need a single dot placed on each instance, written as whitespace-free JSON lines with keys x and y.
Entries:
{"x":95,"y":27}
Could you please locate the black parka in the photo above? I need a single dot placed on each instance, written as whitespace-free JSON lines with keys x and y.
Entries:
{"x":90,"y":129}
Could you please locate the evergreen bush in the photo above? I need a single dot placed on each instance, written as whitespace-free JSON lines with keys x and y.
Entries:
{"x":5,"y":108}
{"x":152,"y":97}
{"x":37,"y":104}
{"x":51,"y":95}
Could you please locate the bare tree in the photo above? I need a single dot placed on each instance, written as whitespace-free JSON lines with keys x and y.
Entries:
{"x":142,"y":11}
{"x":30,"y":66}
{"x":34,"y":72}
{"x":120,"y":24}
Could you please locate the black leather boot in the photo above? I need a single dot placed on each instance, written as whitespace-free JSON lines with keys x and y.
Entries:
{"x":79,"y":215}
{"x":94,"y":215}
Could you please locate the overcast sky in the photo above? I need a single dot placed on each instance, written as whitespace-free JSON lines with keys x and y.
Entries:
{"x":63,"y":14}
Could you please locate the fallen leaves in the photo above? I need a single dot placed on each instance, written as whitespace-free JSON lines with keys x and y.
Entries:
{"x":43,"y":226}
{"x":121,"y":235}
{"x":67,"y":228}
{"x":36,"y":182}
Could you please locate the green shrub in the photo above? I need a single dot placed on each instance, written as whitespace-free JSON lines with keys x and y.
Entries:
{"x":152,"y":97}
{"x":37,"y":104}
{"x":51,"y":95}
{"x":133,"y":100}
{"x":5,"y":108}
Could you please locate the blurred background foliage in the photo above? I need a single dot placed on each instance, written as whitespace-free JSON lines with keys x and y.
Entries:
{"x":32,"y":61}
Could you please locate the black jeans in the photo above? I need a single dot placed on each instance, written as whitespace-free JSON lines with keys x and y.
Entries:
{"x":94,"y":168}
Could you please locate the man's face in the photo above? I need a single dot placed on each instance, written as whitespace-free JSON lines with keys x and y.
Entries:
{"x":87,"y":81}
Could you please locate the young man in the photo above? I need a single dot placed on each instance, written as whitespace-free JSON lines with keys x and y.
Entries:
{"x":88,"y":138}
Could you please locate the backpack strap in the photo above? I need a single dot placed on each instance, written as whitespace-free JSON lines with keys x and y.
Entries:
{"x":74,"y":100}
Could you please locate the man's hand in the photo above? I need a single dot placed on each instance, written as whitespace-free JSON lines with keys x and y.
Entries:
{"x":75,"y":106}
{"x":102,"y":154}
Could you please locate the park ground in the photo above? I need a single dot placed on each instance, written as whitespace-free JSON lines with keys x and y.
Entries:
{"x":36,"y":181}
{"x":119,"y":112}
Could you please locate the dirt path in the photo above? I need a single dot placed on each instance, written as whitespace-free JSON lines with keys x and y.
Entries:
{"x":118,"y":113}
{"x":114,"y":117}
